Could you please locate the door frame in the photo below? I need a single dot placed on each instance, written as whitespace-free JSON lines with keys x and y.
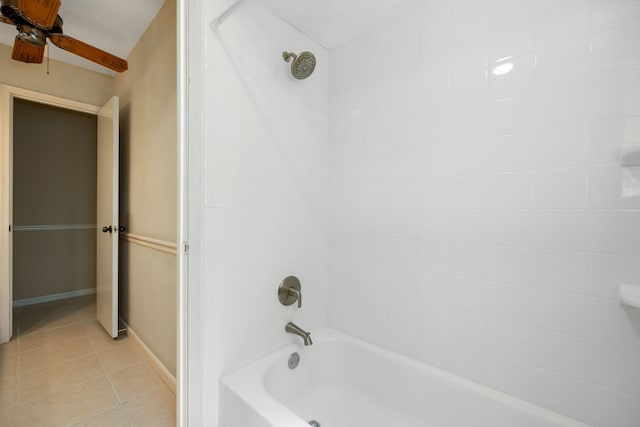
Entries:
{"x":7,"y":95}
{"x":191,"y":372}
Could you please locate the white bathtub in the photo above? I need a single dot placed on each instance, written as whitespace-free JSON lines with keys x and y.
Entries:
{"x":345,"y":382}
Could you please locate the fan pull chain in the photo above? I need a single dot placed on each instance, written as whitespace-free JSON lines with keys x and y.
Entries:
{"x":47,"y":58}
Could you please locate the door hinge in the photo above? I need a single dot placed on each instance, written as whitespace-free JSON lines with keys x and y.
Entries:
{"x":186,"y":247}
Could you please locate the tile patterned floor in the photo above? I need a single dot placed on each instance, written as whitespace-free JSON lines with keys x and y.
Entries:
{"x":61,"y":369}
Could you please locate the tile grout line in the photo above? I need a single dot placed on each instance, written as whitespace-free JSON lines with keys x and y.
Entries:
{"x":88,"y":320}
{"x":86,"y":380}
{"x":121,"y":405}
{"x":93,"y":350}
{"x":113,"y":389}
{"x":77,"y":338}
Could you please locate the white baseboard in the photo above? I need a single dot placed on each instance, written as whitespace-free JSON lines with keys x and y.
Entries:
{"x":53,"y":297}
{"x":164,"y":374}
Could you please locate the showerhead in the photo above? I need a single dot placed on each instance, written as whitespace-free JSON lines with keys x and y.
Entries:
{"x":303,"y":64}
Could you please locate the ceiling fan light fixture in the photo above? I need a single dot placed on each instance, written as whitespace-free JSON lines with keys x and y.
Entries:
{"x":37,"y":21}
{"x":32,"y":35}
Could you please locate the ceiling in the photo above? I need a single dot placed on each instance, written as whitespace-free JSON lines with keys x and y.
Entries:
{"x":332,"y":23}
{"x":113,"y":25}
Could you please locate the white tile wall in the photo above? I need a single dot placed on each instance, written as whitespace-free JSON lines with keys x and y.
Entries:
{"x":559,"y":352}
{"x":266,"y":190}
{"x":560,"y":393}
{"x":474,"y":221}
{"x":505,"y":217}
{"x":610,"y":407}
{"x":509,"y":376}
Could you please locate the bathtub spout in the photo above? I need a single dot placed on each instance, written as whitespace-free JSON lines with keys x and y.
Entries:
{"x":294,"y":329}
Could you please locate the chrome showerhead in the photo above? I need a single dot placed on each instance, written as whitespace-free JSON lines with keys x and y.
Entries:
{"x":303,"y":64}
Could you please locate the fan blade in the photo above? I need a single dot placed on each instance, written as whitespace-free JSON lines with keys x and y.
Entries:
{"x":89,"y":52}
{"x":6,"y":20}
{"x":40,"y":13}
{"x":26,"y":52}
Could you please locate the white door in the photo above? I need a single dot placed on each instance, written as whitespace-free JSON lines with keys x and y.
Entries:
{"x":107,"y":218}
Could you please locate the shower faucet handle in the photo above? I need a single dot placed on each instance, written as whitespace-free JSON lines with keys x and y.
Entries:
{"x":297,"y":294}
{"x":290,"y":291}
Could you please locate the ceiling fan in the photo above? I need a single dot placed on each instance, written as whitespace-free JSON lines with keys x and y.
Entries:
{"x":37,"y":20}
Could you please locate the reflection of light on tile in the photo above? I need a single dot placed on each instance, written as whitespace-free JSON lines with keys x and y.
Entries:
{"x":502,"y":69}
{"x":631,"y":182}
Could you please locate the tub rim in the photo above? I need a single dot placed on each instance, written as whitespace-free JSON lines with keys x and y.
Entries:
{"x":248,"y":382}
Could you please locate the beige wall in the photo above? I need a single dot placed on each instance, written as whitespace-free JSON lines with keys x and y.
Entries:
{"x":148,"y":185}
{"x":54,"y":183}
{"x":53,"y":262}
{"x":65,"y":80}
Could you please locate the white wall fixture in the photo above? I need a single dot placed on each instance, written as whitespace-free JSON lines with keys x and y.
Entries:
{"x":629,"y":295}
{"x":629,"y":156}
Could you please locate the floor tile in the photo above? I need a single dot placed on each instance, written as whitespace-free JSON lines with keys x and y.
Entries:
{"x":57,"y":336}
{"x":101,"y":341}
{"x":41,"y":382}
{"x":41,"y":309}
{"x":6,"y":415}
{"x":53,"y":310}
{"x":7,"y":393}
{"x":9,"y":348}
{"x":91,"y":328}
{"x":113,"y":418}
{"x":135,"y":381}
{"x":157,"y":409}
{"x":49,"y":356}
{"x":46,"y":322}
{"x":71,"y":407}
{"x":8,"y":367}
{"x":56,"y":373}
{"x":115,"y":359}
